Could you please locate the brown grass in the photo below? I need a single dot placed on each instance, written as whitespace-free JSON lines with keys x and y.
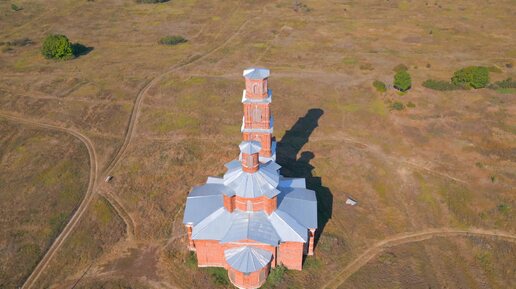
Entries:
{"x":448,"y":162}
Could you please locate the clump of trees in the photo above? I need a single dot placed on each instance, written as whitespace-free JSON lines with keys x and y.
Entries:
{"x":472,"y":76}
{"x":172,"y":40}
{"x":464,"y":78}
{"x":402,"y":80}
{"x":57,"y":46}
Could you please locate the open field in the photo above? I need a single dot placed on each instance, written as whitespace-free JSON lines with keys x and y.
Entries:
{"x":161,"y":119}
{"x":43,"y":176}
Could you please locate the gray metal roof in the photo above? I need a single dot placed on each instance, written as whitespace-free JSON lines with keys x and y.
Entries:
{"x":250,"y":147}
{"x":214,"y":226}
{"x":252,"y":185}
{"x":256,"y":73}
{"x":292,"y":183}
{"x":247,"y":259}
{"x":251,"y":226}
{"x":239,"y":225}
{"x":202,"y":201}
{"x":301,"y":204}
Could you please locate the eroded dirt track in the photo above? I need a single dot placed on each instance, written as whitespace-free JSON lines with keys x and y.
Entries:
{"x":57,"y":243}
{"x":405,"y":238}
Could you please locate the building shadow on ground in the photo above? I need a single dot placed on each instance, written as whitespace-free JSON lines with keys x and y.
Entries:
{"x":286,"y":155}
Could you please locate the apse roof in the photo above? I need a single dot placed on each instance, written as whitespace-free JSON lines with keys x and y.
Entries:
{"x":247,"y":259}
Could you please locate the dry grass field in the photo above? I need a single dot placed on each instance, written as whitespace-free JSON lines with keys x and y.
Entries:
{"x":162,"y":119}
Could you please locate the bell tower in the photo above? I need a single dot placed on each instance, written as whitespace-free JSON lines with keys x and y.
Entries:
{"x":257,"y":123}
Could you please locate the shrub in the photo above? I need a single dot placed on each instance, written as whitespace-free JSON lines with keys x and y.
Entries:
{"x":506,"y":83}
{"x":380,"y":86}
{"x":219,"y":275}
{"x":15,"y":7}
{"x":275,"y":276}
{"x":400,"y":67}
{"x":474,"y":76}
{"x":397,"y":106}
{"x":440,"y":85}
{"x":402,"y":81}
{"x":57,"y":46}
{"x":172,"y":40}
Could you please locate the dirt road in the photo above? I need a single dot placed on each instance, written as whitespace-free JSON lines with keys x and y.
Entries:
{"x":82,"y":206}
{"x":405,"y":238}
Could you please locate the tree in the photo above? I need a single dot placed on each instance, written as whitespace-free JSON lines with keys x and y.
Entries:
{"x":474,"y":76}
{"x":402,"y":80}
{"x":57,"y":46}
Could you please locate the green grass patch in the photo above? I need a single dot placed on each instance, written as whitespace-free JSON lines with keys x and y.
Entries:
{"x":440,"y":85}
{"x":377,"y":106}
{"x":168,"y":122}
{"x":380,"y":86}
{"x":276,"y":276}
{"x":172,"y":40}
{"x":103,"y":211}
{"x":218,"y":275}
{"x":397,"y":105}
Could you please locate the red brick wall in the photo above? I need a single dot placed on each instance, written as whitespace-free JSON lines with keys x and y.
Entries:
{"x":252,"y":280}
{"x":265,"y":140}
{"x":211,"y":252}
{"x":261,"y":88}
{"x":290,"y":254}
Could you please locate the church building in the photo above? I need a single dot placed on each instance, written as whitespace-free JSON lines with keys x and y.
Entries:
{"x":252,"y":219}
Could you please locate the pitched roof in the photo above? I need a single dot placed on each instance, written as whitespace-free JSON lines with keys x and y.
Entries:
{"x":202,"y":201}
{"x":301,"y":204}
{"x":247,"y":259}
{"x":251,"y":226}
{"x":256,"y":73}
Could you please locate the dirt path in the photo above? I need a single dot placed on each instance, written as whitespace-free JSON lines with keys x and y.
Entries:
{"x":405,"y":238}
{"x":94,"y":165}
{"x":117,"y":206}
{"x":82,"y":206}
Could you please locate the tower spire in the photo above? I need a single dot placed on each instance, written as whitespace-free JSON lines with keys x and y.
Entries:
{"x":257,"y":123}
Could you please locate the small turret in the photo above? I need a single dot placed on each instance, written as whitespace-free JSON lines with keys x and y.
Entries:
{"x":250,"y":152}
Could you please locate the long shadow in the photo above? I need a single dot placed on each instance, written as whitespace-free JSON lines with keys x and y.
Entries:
{"x":292,"y":166}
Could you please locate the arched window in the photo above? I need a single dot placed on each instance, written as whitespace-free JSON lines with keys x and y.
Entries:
{"x":257,"y":114}
{"x":255,"y":88}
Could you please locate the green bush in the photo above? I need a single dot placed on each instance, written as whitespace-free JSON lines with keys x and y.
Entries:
{"x":402,"y":81}
{"x":275,"y":276}
{"x":397,"y":106}
{"x":57,"y":46}
{"x":172,"y":40}
{"x":440,"y":85}
{"x":15,"y":7}
{"x":400,"y":67}
{"x":473,"y":76}
{"x":380,"y":86}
